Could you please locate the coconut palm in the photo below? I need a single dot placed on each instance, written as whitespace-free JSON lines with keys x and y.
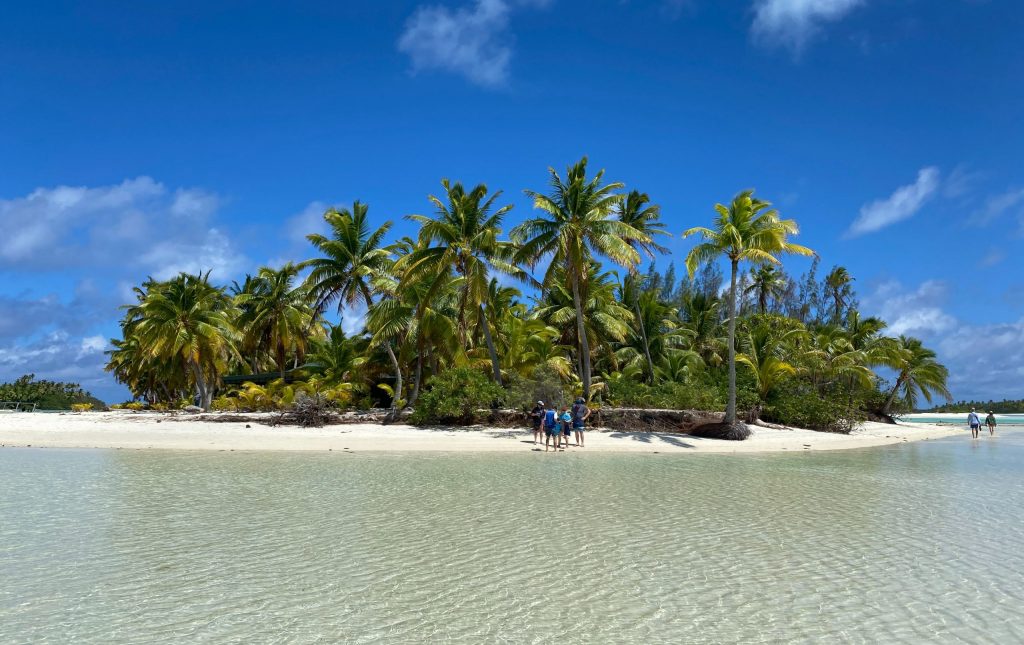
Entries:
{"x":748,"y":230}
{"x":606,"y":320}
{"x":764,"y":353}
{"x":353,"y":264}
{"x":276,"y":315}
{"x":701,"y":314}
{"x":187,"y":319}
{"x":838,"y":282}
{"x":463,"y":236}
{"x":918,"y":373}
{"x":766,"y":281}
{"x":578,"y":224}
{"x":637,"y":211}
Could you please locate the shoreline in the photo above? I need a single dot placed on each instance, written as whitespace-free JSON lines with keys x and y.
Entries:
{"x":156,"y":431}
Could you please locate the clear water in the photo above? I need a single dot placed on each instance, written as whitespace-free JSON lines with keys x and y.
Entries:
{"x":914,"y":543}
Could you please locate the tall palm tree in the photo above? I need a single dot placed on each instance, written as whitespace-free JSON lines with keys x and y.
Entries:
{"x":637,"y":211}
{"x":463,"y":236}
{"x":748,"y":230}
{"x":838,"y":283}
{"x":917,"y":373}
{"x":276,"y":315}
{"x":766,"y":281}
{"x":188,"y":319}
{"x":577,"y":225}
{"x":353,"y":264}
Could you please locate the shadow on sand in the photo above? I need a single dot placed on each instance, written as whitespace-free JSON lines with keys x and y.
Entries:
{"x":650,"y":437}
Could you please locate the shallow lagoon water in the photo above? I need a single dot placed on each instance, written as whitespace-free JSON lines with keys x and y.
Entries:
{"x":919,"y":542}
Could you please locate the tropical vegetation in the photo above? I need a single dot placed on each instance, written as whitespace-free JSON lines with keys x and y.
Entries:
{"x":47,"y":395}
{"x":466,"y":315}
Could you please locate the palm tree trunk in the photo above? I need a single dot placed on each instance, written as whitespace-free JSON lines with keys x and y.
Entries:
{"x":417,"y":378}
{"x":892,"y":396}
{"x":490,"y":346}
{"x":391,"y":354}
{"x":581,"y":332}
{"x":398,"y":375}
{"x":204,"y":395}
{"x":730,"y":410}
{"x":643,"y":337}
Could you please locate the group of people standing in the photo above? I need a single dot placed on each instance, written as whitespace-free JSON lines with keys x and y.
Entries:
{"x":558,"y":427}
{"x":974,"y":421}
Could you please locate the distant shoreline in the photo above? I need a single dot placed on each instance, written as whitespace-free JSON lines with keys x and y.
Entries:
{"x":154,"y":431}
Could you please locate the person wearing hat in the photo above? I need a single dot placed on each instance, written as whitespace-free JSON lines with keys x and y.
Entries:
{"x":974,"y":422}
{"x":537,"y":417}
{"x":580,"y":413}
{"x":990,"y":421}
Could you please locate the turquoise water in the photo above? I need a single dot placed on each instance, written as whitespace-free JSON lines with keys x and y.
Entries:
{"x":920,"y":542}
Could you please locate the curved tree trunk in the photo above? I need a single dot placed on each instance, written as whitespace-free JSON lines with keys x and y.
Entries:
{"x":730,"y":410}
{"x":581,"y":332}
{"x":495,"y":366}
{"x":391,"y":354}
{"x":892,"y":396}
{"x":205,"y":396}
{"x":643,"y":337}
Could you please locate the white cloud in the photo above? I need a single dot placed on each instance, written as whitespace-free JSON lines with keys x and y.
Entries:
{"x":471,"y":40}
{"x":138,"y":224}
{"x":984,"y":361}
{"x":901,"y":205}
{"x":917,"y":312}
{"x":794,"y":23}
{"x":998,"y":205}
{"x":116,"y":235}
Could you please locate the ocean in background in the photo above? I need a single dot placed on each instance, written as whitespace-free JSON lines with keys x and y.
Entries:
{"x":920,"y":542}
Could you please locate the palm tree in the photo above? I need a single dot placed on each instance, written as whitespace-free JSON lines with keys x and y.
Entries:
{"x":606,"y":321}
{"x":187,"y":319}
{"x":276,"y":315}
{"x":637,"y":211}
{"x":748,"y":230}
{"x":701,"y":315}
{"x":767,"y":282}
{"x":838,"y":283}
{"x":578,"y":224}
{"x":353,"y":264}
{"x":466,"y":235}
{"x":764,"y":352}
{"x":917,"y":373}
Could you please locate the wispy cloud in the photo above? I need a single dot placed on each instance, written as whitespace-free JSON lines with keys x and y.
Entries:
{"x":794,"y":23}
{"x":471,"y":40}
{"x":998,"y":205}
{"x":116,"y":235}
{"x":138,"y":223}
{"x":984,"y":360}
{"x":901,"y":205}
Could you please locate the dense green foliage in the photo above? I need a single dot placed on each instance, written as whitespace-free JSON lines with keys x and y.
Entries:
{"x":444,"y":335}
{"x":47,"y":395}
{"x":457,"y":396}
{"x":999,"y":407}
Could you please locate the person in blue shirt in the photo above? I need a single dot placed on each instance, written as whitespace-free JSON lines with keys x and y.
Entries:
{"x":580,"y":413}
{"x":551,"y":430}
{"x":974,"y":422}
{"x":566,"y":420}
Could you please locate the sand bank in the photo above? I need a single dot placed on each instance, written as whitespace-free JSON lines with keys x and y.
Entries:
{"x":130,"y":430}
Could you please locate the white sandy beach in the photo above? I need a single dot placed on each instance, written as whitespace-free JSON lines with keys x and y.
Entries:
{"x":140,"y":431}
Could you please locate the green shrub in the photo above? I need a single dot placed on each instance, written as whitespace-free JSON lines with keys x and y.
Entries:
{"x":224,"y":403}
{"x":833,"y":412}
{"x":456,"y":397}
{"x":134,"y":405}
{"x":666,"y":396}
{"x":543,"y":384}
{"x":81,"y":407}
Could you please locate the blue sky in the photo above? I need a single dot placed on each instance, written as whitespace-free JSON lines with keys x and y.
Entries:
{"x":142,"y":139}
